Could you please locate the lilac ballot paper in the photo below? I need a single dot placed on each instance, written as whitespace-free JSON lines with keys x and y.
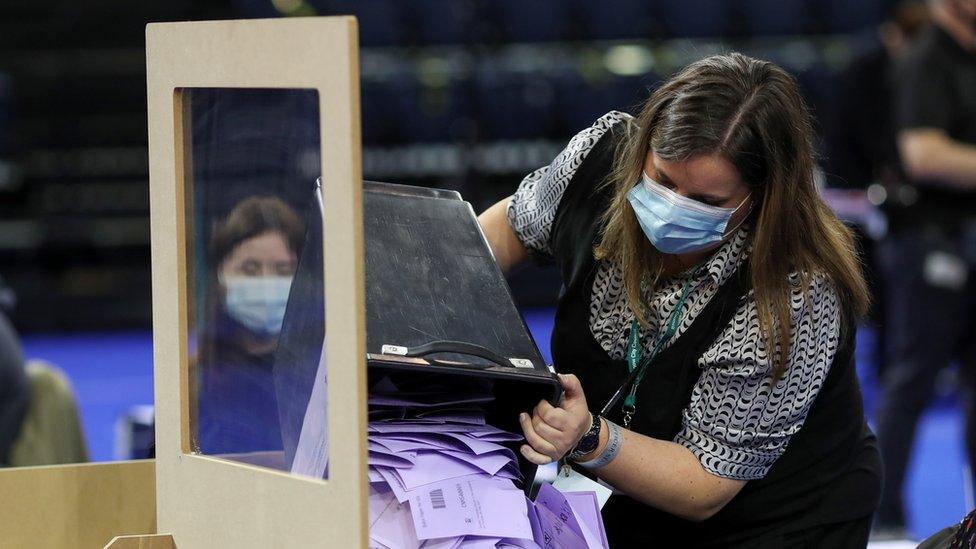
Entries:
{"x":469,"y":507}
{"x":393,"y":528}
{"x":565,"y":523}
{"x":586,"y":507}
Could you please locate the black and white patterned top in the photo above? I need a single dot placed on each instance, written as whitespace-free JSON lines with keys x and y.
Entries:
{"x":736,"y":423}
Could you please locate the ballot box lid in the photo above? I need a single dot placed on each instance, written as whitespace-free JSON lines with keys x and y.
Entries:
{"x":434,"y":294}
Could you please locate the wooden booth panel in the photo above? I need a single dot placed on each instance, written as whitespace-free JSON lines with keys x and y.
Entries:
{"x":206,"y":501}
{"x":76,"y":506}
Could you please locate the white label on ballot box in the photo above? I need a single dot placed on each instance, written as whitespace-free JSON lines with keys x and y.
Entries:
{"x":393,"y":350}
{"x":312,"y":452}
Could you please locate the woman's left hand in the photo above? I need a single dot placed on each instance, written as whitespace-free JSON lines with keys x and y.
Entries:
{"x":553,"y":431}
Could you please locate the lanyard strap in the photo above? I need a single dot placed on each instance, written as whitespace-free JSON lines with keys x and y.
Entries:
{"x":637,"y":366}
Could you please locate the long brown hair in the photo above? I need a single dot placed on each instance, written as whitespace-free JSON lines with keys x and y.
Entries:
{"x":254,"y":216}
{"x":751,"y":113}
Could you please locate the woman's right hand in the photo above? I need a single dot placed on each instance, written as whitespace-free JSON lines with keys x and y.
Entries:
{"x":553,"y":431}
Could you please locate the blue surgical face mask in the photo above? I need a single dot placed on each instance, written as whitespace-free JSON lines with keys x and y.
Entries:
{"x":676,"y":224}
{"x":258,"y":302}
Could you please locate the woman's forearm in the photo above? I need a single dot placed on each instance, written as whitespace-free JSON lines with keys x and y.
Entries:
{"x":667,"y":476}
{"x":932,"y":155}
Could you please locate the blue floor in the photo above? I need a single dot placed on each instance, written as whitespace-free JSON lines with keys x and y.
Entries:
{"x":112,"y":372}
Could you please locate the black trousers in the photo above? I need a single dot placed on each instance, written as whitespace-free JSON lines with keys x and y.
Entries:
{"x":930,"y":279}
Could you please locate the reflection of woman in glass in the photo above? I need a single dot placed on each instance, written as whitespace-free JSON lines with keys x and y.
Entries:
{"x":254,"y":253}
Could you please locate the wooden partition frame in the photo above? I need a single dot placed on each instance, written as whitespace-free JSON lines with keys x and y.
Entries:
{"x":204,"y":501}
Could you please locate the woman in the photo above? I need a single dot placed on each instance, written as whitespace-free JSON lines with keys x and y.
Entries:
{"x":699,"y":264}
{"x":254,"y":253}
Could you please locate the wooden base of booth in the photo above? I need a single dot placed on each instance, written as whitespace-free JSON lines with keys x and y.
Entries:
{"x":152,"y":541}
{"x":77,"y":506}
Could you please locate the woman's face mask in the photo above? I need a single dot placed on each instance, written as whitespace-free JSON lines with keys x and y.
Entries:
{"x":258,"y":302}
{"x":257,"y":276}
{"x":676,"y":224}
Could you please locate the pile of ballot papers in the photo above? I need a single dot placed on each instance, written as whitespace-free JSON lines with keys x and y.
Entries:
{"x":440,"y":477}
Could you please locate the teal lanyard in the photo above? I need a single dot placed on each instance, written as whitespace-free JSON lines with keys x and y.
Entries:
{"x":634,"y":351}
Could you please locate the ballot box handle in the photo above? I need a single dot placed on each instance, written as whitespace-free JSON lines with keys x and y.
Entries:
{"x":459,"y":347}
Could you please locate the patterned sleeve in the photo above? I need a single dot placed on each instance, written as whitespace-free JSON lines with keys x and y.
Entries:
{"x":736,"y":423}
{"x":535,"y":202}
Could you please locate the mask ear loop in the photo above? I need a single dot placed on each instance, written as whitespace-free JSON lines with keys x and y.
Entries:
{"x":752,"y":203}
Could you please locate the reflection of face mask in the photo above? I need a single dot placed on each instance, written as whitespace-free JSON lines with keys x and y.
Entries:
{"x":676,"y":224}
{"x":258,"y":303}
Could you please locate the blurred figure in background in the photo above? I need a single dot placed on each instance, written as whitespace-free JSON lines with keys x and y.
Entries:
{"x":254,"y":255}
{"x":929,"y":259}
{"x":861,"y":148}
{"x":861,"y":145}
{"x":14,"y":388}
{"x":39,"y":420}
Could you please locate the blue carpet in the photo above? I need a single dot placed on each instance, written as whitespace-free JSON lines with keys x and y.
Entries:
{"x":112,"y":372}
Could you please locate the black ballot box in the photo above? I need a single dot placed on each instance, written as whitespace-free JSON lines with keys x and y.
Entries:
{"x":439,"y":313}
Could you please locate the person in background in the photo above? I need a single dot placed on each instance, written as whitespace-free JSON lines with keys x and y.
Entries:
{"x":39,"y":419}
{"x":860,"y":142}
{"x":706,"y":323}
{"x":861,"y":154}
{"x":254,"y":254}
{"x":14,"y":388}
{"x":929,"y":258}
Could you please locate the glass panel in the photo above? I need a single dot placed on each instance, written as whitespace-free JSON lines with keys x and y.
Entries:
{"x":253,"y":216}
